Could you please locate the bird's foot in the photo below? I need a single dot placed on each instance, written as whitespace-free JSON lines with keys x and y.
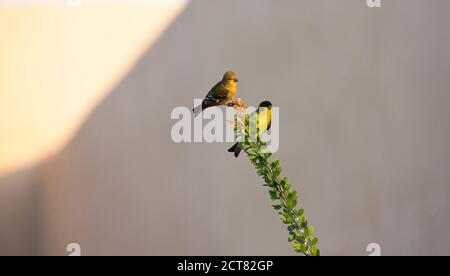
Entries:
{"x":236,"y":103}
{"x":231,"y":103}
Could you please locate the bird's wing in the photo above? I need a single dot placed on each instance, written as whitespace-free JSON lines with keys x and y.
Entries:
{"x":217,"y":95}
{"x":219,"y":91}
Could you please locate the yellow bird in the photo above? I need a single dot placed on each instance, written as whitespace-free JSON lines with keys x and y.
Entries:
{"x":264,"y":120}
{"x":222,"y":93}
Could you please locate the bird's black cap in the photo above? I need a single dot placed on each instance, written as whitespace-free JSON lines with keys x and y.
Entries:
{"x":265,"y":104}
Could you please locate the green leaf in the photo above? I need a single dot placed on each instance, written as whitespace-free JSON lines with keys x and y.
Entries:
{"x":261,"y":171}
{"x":310,"y":230}
{"x":294,"y":194}
{"x":291,"y":238}
{"x":244,"y":144}
{"x":285,"y":183}
{"x":314,"y":241}
{"x":297,"y":245}
{"x":299,"y":236}
{"x":292,"y":200}
{"x":273,"y":194}
{"x":276,"y":207}
{"x":252,"y":157}
{"x":275,"y":164}
{"x":290,"y":219}
{"x":286,"y":219}
{"x":254,"y":145}
{"x":292,"y":203}
{"x":276,"y":172}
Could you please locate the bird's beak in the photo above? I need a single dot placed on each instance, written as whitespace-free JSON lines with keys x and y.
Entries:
{"x":236,"y":80}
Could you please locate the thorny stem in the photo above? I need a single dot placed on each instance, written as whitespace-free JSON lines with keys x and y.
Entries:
{"x":301,"y":235}
{"x":282,"y":194}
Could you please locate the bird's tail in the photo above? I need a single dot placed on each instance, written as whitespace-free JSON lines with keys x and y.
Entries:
{"x":197,"y":109}
{"x":236,"y":148}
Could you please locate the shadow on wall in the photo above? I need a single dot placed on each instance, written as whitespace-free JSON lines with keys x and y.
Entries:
{"x":18,"y":215}
{"x":363,"y":107}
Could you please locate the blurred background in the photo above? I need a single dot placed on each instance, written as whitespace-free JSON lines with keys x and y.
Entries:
{"x":86,"y":92}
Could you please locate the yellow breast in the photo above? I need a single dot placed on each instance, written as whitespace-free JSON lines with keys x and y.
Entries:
{"x":231,"y":87}
{"x":264,"y":120}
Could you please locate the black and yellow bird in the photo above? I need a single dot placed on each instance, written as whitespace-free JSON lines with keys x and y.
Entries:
{"x":222,"y":93}
{"x":263,"y":122}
